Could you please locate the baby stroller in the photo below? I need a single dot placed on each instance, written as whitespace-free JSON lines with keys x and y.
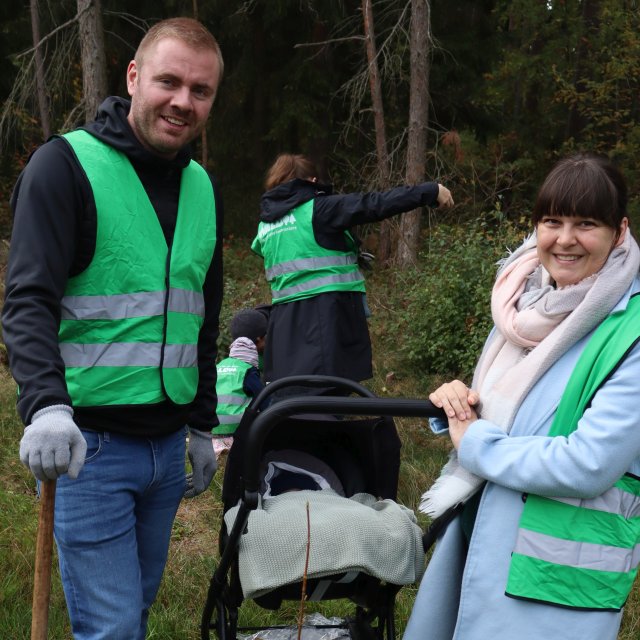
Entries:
{"x":348,"y":442}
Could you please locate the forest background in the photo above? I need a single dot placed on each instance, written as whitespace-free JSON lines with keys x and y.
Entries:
{"x":481,"y":95}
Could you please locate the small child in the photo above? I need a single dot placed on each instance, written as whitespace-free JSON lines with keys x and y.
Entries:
{"x":239,"y":375}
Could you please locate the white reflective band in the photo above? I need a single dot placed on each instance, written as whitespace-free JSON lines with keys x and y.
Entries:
{"x":238,"y":400}
{"x":126,"y":305}
{"x":308,"y":264}
{"x":180,"y":356}
{"x":613,"y":500}
{"x":131,"y":305}
{"x":225,"y":419}
{"x":128,"y":354}
{"x":315,"y":283}
{"x":186,"y":301}
{"x":582,"y":555}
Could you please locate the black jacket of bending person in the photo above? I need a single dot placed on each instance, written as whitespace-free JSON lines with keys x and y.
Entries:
{"x":327,"y":334}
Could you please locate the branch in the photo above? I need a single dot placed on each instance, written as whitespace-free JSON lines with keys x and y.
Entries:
{"x":64,"y":25}
{"x":323,"y":42}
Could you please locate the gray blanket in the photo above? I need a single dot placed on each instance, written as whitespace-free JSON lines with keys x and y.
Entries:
{"x":361,"y":533}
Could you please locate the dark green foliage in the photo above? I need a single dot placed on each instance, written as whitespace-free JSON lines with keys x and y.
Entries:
{"x":245,"y":285}
{"x":447,"y":305}
{"x":520,"y":82}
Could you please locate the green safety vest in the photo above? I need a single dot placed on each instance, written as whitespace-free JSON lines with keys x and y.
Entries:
{"x":232,"y":399}
{"x":296,"y":266}
{"x":583,"y":553}
{"x":131,"y":319}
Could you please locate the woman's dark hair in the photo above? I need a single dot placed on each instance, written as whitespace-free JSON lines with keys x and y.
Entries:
{"x":585,"y":185}
{"x":288,"y":166}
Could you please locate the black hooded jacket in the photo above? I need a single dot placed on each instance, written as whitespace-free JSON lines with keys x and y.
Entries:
{"x":327,"y":334}
{"x":53,"y":238}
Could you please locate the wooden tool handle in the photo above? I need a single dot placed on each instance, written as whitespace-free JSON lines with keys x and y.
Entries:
{"x":44,"y":551}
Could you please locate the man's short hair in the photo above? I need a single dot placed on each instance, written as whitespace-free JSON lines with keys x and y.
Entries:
{"x":188,"y":30}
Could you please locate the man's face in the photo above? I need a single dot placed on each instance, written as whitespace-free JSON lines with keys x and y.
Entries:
{"x":171,"y":91}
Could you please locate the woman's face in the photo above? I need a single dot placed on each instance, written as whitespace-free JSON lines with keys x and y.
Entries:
{"x":573,"y":248}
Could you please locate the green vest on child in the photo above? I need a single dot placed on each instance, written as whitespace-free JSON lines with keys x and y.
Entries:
{"x":232,"y":399}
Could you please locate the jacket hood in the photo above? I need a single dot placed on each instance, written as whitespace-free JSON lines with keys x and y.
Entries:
{"x":111,"y":126}
{"x":277,"y":202}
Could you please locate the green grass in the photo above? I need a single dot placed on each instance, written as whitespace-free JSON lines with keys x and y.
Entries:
{"x":193,"y":553}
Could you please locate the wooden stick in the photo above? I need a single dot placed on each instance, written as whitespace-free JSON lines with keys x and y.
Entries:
{"x":303,"y":597}
{"x":42,"y":573}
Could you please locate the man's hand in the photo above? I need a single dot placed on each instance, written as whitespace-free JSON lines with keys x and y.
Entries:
{"x":52,"y":444}
{"x":203,"y":462}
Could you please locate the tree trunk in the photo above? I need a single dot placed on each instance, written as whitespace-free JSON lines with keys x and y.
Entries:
{"x":94,"y":65}
{"x":203,"y":136}
{"x":41,"y":89}
{"x":409,"y":237}
{"x":375,"y":85}
{"x":590,"y":24}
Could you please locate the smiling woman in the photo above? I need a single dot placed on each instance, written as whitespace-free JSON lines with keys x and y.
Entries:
{"x":546,"y":459}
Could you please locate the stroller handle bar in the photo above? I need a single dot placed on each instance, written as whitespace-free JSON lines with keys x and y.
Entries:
{"x":313,"y":381}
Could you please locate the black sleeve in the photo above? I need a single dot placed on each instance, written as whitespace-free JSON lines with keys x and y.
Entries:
{"x":341,"y":212}
{"x":203,"y":415}
{"x":48,"y":204}
{"x":252,"y":384}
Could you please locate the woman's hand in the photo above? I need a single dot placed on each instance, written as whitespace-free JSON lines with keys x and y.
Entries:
{"x":458,"y":402}
{"x":445,"y":199}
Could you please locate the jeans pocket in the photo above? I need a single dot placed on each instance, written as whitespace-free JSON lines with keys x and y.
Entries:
{"x":95,"y":441}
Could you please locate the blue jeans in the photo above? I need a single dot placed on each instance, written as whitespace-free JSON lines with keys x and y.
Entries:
{"x":112,"y":528}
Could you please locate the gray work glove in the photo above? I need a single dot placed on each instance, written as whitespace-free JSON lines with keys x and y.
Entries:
{"x":203,"y":462}
{"x":52,"y":444}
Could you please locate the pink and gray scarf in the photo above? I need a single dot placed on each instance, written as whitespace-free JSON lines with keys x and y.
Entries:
{"x":535,"y":324}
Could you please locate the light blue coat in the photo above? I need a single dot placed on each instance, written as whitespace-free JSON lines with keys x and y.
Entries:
{"x":465,"y":600}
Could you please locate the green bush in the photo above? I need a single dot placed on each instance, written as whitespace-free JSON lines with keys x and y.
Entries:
{"x":245,"y":285}
{"x":448,"y":300}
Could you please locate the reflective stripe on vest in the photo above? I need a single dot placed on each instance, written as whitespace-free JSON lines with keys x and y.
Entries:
{"x":131,"y":305}
{"x":232,"y":399}
{"x":314,"y":286}
{"x":583,"y":553}
{"x":128,"y":354}
{"x":296,"y":266}
{"x":309,"y":264}
{"x":131,"y":320}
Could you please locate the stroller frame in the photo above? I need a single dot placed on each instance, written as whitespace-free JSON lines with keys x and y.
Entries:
{"x":221,"y":601}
